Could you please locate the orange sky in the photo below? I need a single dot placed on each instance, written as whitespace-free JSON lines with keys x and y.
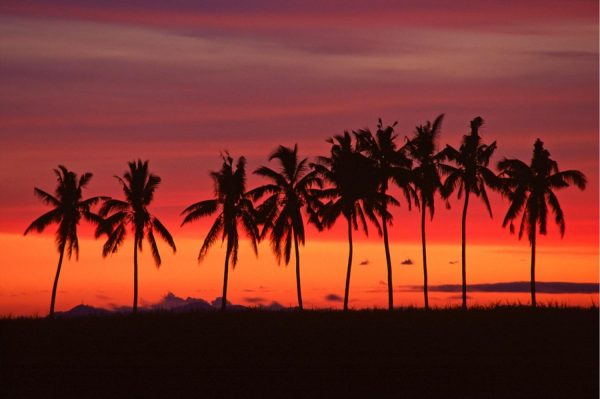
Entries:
{"x":26,"y":285}
{"x":93,"y":85}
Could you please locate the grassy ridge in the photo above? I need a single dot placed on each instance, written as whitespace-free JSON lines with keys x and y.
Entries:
{"x":499,"y":352}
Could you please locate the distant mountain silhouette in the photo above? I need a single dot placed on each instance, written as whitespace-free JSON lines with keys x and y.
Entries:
{"x":84,"y":310}
{"x":171,"y":302}
{"x":217,"y":304}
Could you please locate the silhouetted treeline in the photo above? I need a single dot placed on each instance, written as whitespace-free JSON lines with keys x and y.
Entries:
{"x":351,"y":182}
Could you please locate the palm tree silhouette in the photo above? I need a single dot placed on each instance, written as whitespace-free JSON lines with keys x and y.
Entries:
{"x":426,"y":177}
{"x":530,"y":189}
{"x":391,"y":164}
{"x":234,"y":206}
{"x":352,"y":182}
{"x":281,"y":213}
{"x":138,"y":185}
{"x":471,"y":175}
{"x":68,"y":209}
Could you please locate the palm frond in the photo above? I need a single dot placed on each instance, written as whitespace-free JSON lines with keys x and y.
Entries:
{"x":163,"y":233}
{"x":211,"y":237}
{"x":46,"y":198}
{"x":85,"y":179}
{"x":114,"y":241}
{"x":154,"y":248}
{"x":199,"y":210}
{"x":39,"y":224}
{"x":566,"y":178}
{"x":111,"y":205}
{"x":559,"y":216}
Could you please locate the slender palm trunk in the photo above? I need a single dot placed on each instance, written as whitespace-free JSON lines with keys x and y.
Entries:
{"x":425,"y":292}
{"x":347,"y":292}
{"x":60,"y":259}
{"x":388,"y":260}
{"x":225,"y":277}
{"x":464,"y":251}
{"x":135,"y":275}
{"x":533,"y":304}
{"x":298,"y":288}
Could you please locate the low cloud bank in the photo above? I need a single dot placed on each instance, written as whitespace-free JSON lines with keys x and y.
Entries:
{"x":544,"y":287}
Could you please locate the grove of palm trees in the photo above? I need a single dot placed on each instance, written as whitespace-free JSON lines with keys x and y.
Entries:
{"x":353,"y":181}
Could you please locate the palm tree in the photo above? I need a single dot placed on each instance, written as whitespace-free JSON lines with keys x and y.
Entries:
{"x":391,"y":164}
{"x":281,"y":212}
{"x":68,"y":209}
{"x":352,"y":181}
{"x":471,"y":175}
{"x":234,"y":206}
{"x":138,"y":185}
{"x":422,"y":149}
{"x":530,"y":189}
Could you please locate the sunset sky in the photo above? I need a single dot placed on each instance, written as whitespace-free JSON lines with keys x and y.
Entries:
{"x":94,"y":84}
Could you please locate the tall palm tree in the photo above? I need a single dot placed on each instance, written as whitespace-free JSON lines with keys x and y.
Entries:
{"x":138,"y":185}
{"x":470,"y":175}
{"x":281,"y":213}
{"x":391,"y":164}
{"x":352,"y":180}
{"x":422,"y":149}
{"x":68,"y":209}
{"x":234,"y":206}
{"x":530,"y":189}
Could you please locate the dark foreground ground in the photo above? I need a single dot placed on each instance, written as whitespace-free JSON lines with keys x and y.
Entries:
{"x":501,"y":352}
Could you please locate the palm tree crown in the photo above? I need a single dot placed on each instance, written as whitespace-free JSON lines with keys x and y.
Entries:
{"x":233,"y":207}
{"x":530,"y":189}
{"x":353,"y":182}
{"x":422,"y":149}
{"x":138,"y":185}
{"x":281,"y":213}
{"x":470,"y":175}
{"x":68,"y":209}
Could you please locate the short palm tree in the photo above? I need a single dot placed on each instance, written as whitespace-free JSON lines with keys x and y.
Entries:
{"x":138,"y":185}
{"x":530,"y":189}
{"x":351,"y":183}
{"x":391,"y":165}
{"x":422,"y":149}
{"x":68,"y":209}
{"x":233,"y":207}
{"x":470,"y":175}
{"x":289,"y":191}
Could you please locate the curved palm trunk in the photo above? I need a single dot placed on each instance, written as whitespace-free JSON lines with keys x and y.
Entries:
{"x":298,"y":272}
{"x":425,"y":292}
{"x":533,"y":304}
{"x":60,"y":260}
{"x":225,"y":277}
{"x":464,"y":251}
{"x":347,"y":291}
{"x":388,"y":260}
{"x":135,"y":275}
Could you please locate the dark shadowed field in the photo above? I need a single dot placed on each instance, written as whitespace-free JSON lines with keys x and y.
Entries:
{"x":500,"y":352}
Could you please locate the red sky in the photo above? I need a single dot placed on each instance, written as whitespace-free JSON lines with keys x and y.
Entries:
{"x":93,"y":85}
